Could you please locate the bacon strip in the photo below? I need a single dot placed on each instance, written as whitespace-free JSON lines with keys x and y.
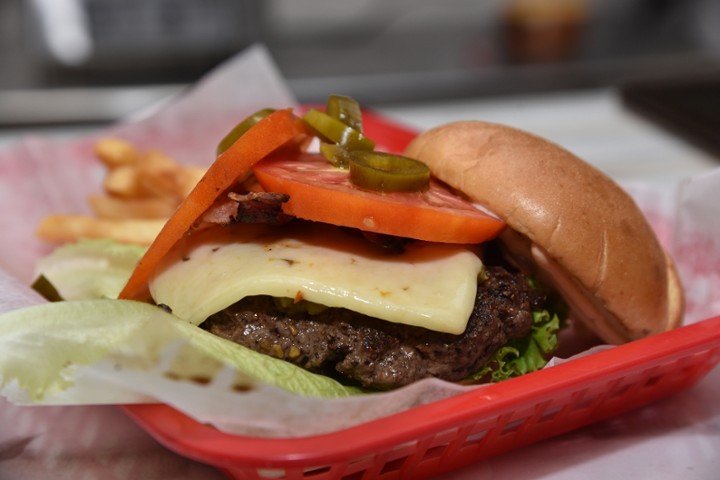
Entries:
{"x":252,"y":207}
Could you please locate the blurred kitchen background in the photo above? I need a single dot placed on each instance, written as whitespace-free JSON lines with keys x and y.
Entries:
{"x":97,"y":60}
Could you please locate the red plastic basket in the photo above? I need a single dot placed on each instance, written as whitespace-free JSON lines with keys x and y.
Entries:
{"x":451,"y":433}
{"x":448,"y":434}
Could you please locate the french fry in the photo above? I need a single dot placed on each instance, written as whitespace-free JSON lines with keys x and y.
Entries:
{"x":68,"y":228}
{"x":110,"y":207}
{"x":141,"y":190}
{"x":114,"y":152}
{"x":124,"y":181}
{"x":190,"y":177}
{"x":160,"y":176}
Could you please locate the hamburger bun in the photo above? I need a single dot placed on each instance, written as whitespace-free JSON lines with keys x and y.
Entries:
{"x":571,"y":224}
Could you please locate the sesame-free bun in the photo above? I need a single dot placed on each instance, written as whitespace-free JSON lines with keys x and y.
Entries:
{"x":575,"y":226}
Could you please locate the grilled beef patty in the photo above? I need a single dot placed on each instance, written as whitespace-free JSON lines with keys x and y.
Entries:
{"x":377,"y":354}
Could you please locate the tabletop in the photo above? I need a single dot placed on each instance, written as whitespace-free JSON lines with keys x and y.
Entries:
{"x":678,"y":437}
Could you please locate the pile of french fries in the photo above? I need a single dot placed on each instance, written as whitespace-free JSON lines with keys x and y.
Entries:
{"x":141,"y":189}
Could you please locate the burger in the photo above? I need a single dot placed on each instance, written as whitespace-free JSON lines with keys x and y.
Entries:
{"x":459,"y":259}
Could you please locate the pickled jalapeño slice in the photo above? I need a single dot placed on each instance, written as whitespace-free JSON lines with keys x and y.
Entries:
{"x":346,"y":109}
{"x":335,"y":131}
{"x":386,"y":172}
{"x":240,"y":129}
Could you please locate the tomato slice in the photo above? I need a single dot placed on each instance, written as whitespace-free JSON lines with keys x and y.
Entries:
{"x":321,"y":192}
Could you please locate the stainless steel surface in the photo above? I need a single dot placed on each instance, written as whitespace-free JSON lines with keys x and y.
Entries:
{"x":19,"y":108}
{"x":379,"y":52}
{"x":593,"y":124}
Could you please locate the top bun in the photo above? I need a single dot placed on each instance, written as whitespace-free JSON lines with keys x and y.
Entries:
{"x":575,"y":226}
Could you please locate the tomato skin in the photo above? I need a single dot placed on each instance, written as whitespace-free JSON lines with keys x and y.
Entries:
{"x":321,"y":192}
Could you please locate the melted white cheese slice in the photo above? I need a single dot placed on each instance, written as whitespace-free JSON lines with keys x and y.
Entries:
{"x":429,"y":285}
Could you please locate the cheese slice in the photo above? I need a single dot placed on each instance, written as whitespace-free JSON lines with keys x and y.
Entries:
{"x":429,"y":285}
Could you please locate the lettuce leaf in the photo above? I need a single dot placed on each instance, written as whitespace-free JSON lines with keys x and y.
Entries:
{"x":524,"y":355}
{"x":43,"y":347}
{"x":89,"y":269}
{"x":40,"y":344}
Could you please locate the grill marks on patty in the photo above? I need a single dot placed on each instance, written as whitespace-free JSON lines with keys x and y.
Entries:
{"x":377,"y":354}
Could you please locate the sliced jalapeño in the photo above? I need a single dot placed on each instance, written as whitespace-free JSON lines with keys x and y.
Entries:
{"x":386,"y":172}
{"x":240,"y":129}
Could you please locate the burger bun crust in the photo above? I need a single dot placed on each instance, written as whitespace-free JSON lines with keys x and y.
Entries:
{"x":583,"y":231}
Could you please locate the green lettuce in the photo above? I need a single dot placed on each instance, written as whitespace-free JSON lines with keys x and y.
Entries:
{"x":524,"y":355}
{"x":43,"y":346}
{"x":88,"y":269}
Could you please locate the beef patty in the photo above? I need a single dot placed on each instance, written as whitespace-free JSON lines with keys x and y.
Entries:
{"x":377,"y":354}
